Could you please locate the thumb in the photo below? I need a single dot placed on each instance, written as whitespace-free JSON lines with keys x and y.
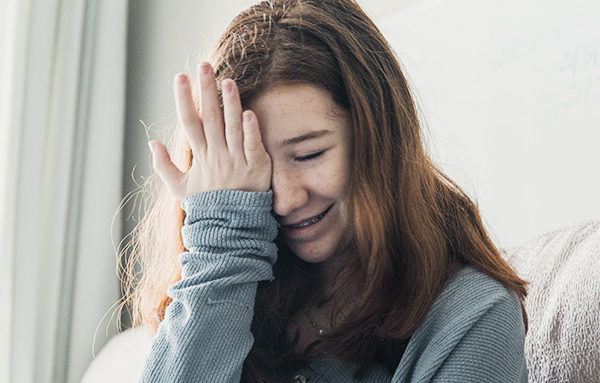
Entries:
{"x":166,"y":169}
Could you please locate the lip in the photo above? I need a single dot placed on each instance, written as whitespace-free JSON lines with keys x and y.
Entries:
{"x":308,"y":231}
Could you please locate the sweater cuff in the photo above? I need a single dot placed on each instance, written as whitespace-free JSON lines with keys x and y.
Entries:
{"x":228,"y":200}
{"x":215,"y":217}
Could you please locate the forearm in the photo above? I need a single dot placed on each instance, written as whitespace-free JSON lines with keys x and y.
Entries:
{"x":205,"y":335}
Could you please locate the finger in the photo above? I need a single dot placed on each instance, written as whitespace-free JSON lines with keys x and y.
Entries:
{"x":166,"y":169}
{"x":187,"y":113}
{"x":232,"y":110}
{"x":212,"y":116}
{"x":253,"y":145}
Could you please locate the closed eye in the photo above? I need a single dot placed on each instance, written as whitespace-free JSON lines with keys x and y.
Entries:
{"x":309,"y":157}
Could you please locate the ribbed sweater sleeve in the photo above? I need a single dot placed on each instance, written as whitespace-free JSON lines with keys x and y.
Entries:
{"x":205,"y":335}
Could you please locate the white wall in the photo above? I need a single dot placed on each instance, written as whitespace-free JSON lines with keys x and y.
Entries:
{"x":511,"y":93}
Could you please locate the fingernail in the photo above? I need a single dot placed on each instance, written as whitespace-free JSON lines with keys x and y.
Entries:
{"x":247,"y":116}
{"x":227,"y":86}
{"x":180,"y":78}
{"x":205,"y":67}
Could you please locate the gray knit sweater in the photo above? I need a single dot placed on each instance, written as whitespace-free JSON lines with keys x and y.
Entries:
{"x":473,"y":333}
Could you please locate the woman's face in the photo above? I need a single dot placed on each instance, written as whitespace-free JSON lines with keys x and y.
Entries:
{"x":308,"y":138}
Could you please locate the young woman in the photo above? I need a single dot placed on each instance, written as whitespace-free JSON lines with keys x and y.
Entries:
{"x":303,"y":234}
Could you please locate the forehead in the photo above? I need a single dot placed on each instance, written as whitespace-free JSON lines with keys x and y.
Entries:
{"x":287,"y":111}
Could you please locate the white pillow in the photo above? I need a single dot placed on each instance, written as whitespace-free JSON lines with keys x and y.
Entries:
{"x":563,"y":304}
{"x":121,"y":360}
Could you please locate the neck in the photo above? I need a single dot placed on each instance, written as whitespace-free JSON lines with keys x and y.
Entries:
{"x":346,"y":296}
{"x":330,"y":269}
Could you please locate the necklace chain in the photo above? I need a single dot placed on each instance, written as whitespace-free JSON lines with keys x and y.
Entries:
{"x":312,"y":321}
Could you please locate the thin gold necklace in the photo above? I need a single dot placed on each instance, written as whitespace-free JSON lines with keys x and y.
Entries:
{"x":314,"y":325}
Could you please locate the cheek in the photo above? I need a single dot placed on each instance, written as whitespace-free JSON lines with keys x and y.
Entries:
{"x":331,"y":180}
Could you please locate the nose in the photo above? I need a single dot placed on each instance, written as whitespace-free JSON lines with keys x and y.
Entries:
{"x":289,"y":193}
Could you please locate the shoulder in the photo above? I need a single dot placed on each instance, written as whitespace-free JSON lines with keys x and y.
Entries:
{"x":475,"y":314}
{"x":469,"y":294}
{"x":469,"y":297}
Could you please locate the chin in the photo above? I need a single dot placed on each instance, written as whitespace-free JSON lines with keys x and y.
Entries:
{"x":313,"y":258}
{"x":312,"y":255}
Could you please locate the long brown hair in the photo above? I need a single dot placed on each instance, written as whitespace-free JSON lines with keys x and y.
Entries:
{"x":412,"y":226}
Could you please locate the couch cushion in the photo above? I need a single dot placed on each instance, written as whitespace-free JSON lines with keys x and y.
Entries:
{"x":563,"y":304}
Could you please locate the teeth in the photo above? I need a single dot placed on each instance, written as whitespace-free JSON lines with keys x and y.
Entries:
{"x":308,"y":222}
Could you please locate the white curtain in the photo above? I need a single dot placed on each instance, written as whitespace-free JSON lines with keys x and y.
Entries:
{"x":61,"y":146}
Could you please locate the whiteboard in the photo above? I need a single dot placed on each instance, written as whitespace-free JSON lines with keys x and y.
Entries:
{"x":509,"y":93}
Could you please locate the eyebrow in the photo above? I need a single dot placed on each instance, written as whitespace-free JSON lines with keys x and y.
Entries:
{"x":308,"y":136}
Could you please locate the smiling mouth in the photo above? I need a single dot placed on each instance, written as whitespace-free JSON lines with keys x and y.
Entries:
{"x":308,"y":222}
